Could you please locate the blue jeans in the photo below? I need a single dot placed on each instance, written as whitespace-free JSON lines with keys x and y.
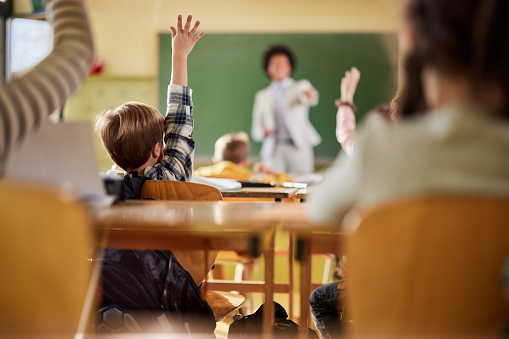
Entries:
{"x":327,"y":304}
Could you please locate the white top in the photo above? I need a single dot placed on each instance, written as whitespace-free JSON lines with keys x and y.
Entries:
{"x":458,"y":149}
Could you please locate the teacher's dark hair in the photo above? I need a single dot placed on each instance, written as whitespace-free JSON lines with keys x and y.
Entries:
{"x":467,"y":37}
{"x":278,"y":49}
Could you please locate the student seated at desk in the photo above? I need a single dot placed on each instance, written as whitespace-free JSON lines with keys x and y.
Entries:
{"x":231,"y":160}
{"x":453,"y":134}
{"x":327,"y":302}
{"x":153,"y":283}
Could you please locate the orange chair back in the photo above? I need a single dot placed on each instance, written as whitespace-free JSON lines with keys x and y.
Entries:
{"x":430,"y":266}
{"x":179,"y":190}
{"x":45,"y":276}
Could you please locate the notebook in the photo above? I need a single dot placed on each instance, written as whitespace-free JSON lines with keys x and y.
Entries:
{"x":219,"y":183}
{"x":60,"y":154}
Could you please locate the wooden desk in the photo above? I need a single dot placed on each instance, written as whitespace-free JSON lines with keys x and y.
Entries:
{"x":276,"y":193}
{"x":310,"y":238}
{"x":199,"y":225}
{"x":302,"y":194}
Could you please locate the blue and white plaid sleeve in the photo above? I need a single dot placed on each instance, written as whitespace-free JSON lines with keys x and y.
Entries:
{"x":177,"y":163}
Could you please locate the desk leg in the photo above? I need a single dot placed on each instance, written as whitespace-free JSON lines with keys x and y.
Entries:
{"x":305,"y":281}
{"x":268,"y":312}
{"x":291,"y":262}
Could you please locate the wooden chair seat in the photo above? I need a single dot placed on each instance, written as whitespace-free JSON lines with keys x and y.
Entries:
{"x":224,"y":303}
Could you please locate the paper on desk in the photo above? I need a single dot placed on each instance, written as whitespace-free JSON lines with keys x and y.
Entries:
{"x":310,"y":179}
{"x":219,"y":183}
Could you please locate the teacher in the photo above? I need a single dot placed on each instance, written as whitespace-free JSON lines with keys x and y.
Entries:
{"x":281,"y":116}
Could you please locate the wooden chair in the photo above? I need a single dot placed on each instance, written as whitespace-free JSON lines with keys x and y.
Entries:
{"x":430,"y":267}
{"x":45,"y":276}
{"x":179,"y":190}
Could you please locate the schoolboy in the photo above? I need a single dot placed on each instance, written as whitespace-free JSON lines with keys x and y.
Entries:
{"x":156,"y":282}
{"x":231,"y":160}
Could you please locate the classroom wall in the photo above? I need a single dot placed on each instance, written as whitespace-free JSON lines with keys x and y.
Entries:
{"x":126,"y":34}
{"x":126,"y":31}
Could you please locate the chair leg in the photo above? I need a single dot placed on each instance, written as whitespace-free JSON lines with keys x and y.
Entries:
{"x":239,"y":271}
{"x":326,"y":269}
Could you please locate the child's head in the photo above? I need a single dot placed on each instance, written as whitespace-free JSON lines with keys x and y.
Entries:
{"x":459,"y":39}
{"x":278,"y":62}
{"x":132,"y":134}
{"x":232,"y":147}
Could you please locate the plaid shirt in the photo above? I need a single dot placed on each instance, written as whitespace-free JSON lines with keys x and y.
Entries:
{"x":177,"y":163}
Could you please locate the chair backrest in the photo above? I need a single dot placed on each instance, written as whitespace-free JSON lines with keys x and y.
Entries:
{"x":45,"y":242}
{"x":178,"y":190}
{"x":430,"y":266}
{"x":197,"y":263}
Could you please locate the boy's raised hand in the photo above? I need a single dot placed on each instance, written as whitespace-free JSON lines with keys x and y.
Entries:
{"x":183,"y":38}
{"x":183,"y":41}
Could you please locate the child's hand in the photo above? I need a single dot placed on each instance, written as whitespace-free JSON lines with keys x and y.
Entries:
{"x":183,"y":39}
{"x":349,"y":84}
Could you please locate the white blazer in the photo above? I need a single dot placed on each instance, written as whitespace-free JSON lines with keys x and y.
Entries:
{"x":296,"y":117}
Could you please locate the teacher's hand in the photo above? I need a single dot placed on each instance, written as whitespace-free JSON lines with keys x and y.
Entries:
{"x":311,"y":95}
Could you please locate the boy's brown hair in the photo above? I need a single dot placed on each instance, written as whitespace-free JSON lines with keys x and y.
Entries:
{"x":129,"y":132}
{"x":232,"y":147}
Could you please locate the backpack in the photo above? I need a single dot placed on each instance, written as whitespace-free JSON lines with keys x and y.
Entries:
{"x":251,"y":326}
{"x":139,"y":285}
{"x":126,"y":188}
{"x":144,"y":284}
{"x":133,"y":185}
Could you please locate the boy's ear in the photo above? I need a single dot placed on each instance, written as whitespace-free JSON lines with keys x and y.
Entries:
{"x":156,"y":151}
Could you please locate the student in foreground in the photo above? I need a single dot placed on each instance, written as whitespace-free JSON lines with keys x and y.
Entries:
{"x":26,"y":102}
{"x":231,"y":160}
{"x":453,"y":134}
{"x":147,"y":284}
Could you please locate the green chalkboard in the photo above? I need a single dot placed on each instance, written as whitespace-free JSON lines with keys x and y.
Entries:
{"x":225,"y":72}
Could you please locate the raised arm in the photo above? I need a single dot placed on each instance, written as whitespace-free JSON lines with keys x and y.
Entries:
{"x":177,"y":162}
{"x":345,"y":118}
{"x":26,"y":101}
{"x":183,"y":41}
